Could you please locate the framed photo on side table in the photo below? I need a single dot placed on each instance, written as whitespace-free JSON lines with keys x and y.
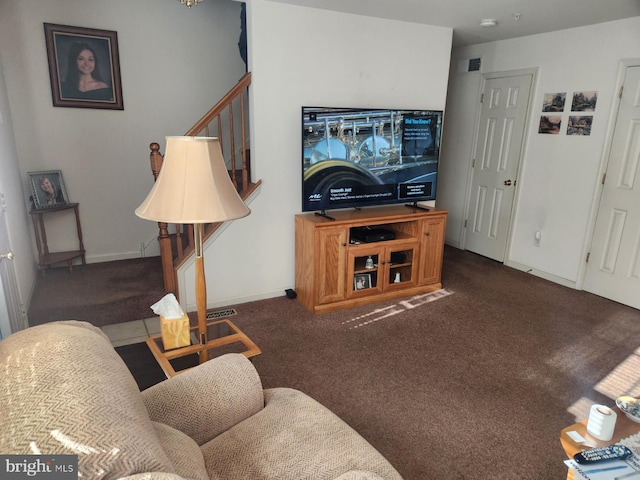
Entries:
{"x":84,"y":67}
{"x":47,"y":189}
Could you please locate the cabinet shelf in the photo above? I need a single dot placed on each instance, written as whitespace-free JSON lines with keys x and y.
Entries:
{"x":330,"y":268}
{"x":398,"y":265}
{"x":365,"y":270}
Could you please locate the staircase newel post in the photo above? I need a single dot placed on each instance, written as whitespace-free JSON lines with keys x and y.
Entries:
{"x":166,"y":256}
{"x":168,"y":272}
{"x":156,"y":160}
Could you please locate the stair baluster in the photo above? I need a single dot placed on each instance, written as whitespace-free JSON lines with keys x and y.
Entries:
{"x":177,"y":246}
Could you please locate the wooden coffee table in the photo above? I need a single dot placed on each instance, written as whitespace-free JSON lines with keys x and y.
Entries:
{"x":624,"y":428}
{"x":224,"y":337}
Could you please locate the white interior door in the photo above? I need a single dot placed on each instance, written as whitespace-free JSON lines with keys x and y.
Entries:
{"x":505,"y":104}
{"x":10,"y":317}
{"x":613,"y":270}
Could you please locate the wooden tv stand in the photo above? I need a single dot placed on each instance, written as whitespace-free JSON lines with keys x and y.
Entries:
{"x":335,"y":271}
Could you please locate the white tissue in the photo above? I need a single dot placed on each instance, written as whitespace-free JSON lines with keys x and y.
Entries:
{"x":168,"y":307}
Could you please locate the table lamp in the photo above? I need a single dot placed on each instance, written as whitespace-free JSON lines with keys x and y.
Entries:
{"x":194,"y":187}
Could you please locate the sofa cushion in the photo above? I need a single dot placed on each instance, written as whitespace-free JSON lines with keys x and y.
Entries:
{"x":293,"y":437}
{"x":65,"y":390}
{"x":183,"y":451}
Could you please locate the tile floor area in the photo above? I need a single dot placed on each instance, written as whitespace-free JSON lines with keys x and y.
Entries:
{"x":132,"y":332}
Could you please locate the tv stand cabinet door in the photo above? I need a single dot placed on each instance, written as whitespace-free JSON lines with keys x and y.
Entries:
{"x":432,"y":249}
{"x":331,"y":248}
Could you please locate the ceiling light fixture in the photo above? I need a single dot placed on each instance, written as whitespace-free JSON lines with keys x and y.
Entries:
{"x":488,"y":22}
{"x":190,"y":3}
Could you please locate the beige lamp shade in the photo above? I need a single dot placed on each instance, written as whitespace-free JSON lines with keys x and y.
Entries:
{"x":193,"y":185}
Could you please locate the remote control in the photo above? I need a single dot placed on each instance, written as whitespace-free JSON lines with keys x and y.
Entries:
{"x":612,"y":452}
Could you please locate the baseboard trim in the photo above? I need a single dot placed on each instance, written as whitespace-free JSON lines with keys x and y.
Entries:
{"x":539,"y":273}
{"x":113,"y":257}
{"x":452,"y":243}
{"x":225,"y":302}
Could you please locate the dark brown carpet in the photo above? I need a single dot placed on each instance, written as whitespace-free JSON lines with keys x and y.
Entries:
{"x":144,"y":367}
{"x":475,"y":385}
{"x":99,"y":293}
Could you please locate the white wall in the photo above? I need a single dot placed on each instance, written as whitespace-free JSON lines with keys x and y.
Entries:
{"x":301,"y":56}
{"x":169,"y":59}
{"x":559,"y":174}
{"x":298,"y":56}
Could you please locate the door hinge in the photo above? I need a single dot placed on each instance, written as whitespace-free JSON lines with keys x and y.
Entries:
{"x":620,"y":92}
{"x":604,"y":176}
{"x":588,"y":255}
{"x":465,"y":224}
{"x":482,"y":98}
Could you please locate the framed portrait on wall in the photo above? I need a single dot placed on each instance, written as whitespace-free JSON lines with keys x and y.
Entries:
{"x":84,"y":67}
{"x":47,"y":189}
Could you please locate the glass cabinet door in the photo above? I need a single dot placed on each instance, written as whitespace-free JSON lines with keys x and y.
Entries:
{"x":401,"y":266}
{"x":374,"y":270}
{"x":365,"y":272}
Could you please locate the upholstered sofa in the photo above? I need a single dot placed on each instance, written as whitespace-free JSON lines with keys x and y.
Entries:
{"x":65,"y":390}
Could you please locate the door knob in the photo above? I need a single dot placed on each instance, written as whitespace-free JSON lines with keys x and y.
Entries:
{"x":8,"y":256}
{"x":507,"y":182}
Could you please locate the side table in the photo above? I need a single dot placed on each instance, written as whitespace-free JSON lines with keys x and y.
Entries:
{"x":224,"y":337}
{"x":625,"y":427}
{"x":46,"y":258}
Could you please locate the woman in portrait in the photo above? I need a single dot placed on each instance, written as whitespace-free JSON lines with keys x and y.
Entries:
{"x":52,"y":193}
{"x":83,"y":80}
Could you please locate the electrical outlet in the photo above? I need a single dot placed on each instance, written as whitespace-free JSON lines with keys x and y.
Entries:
{"x":537,"y":238}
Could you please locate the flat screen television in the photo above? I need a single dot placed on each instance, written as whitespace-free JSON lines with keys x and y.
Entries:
{"x":356,"y":157}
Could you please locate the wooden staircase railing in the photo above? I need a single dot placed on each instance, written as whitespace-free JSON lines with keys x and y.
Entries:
{"x":176,"y":240}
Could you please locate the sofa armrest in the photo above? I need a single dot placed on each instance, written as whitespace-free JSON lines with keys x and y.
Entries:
{"x":208,"y":399}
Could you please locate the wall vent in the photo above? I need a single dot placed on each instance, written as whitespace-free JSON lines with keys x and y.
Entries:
{"x":474,"y":65}
{"x":229,"y":312}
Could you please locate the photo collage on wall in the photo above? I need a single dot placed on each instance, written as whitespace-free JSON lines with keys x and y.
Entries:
{"x":553,"y":105}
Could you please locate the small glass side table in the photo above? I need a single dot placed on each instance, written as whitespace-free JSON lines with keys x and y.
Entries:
{"x":224,"y":337}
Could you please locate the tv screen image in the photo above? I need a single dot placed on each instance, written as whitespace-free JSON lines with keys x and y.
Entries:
{"x":364,"y":157}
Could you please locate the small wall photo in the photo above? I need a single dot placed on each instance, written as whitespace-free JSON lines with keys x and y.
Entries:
{"x":550,"y":124}
{"x":584,"y":101}
{"x":554,"y":102}
{"x":579,"y":125}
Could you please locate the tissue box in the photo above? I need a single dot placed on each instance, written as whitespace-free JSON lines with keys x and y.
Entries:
{"x":175,"y":332}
